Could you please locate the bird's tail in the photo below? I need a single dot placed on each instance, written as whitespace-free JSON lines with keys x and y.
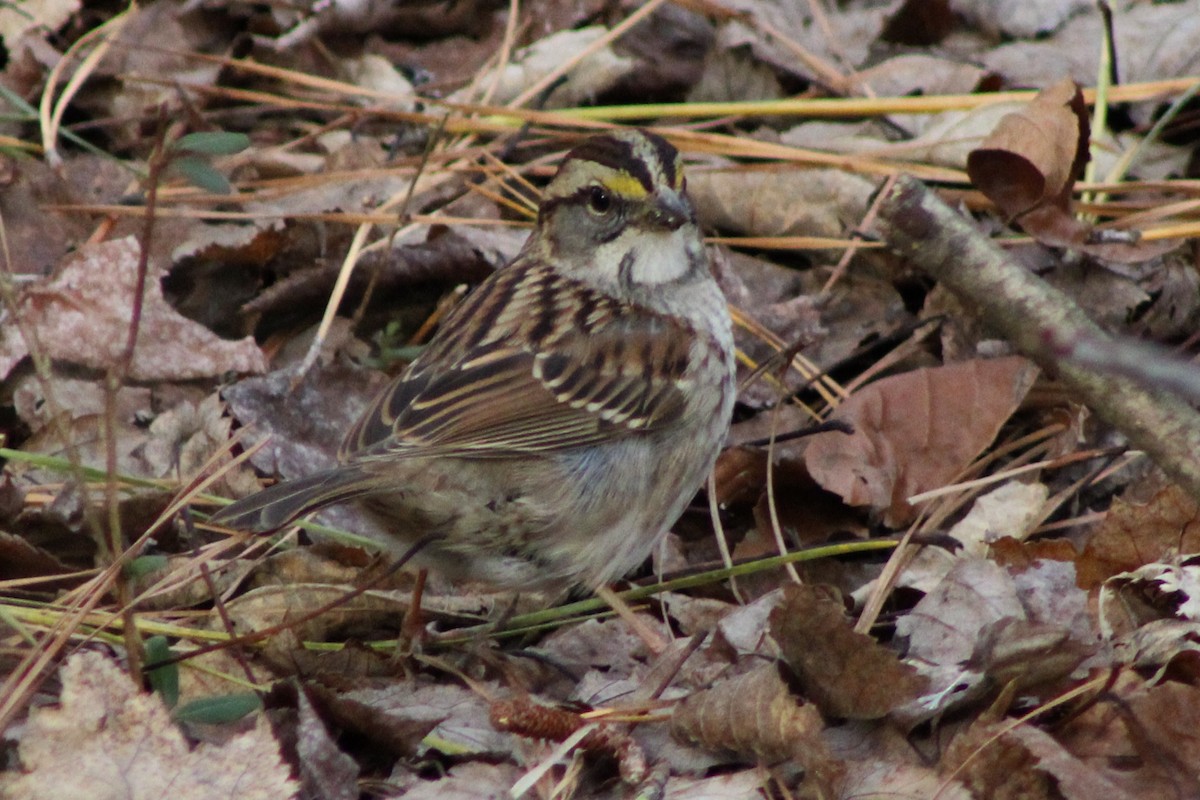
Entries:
{"x":276,"y":506}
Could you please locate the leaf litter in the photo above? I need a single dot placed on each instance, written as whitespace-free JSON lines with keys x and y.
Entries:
{"x":1036,"y":632}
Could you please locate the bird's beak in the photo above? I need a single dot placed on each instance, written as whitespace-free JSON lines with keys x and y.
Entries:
{"x":670,"y":211}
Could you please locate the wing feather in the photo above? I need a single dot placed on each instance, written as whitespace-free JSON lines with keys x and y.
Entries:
{"x":603,"y":370}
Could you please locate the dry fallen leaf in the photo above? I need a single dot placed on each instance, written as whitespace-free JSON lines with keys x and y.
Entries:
{"x":16,"y":20}
{"x":1007,"y":511}
{"x":754,"y":716}
{"x":82,"y":316}
{"x":1033,"y":157}
{"x":326,"y":771}
{"x":847,"y":674}
{"x":819,"y":202}
{"x":1144,"y":739}
{"x":596,"y":73}
{"x":1151,"y":592}
{"x":440,"y":715}
{"x":1136,"y":534}
{"x":107,"y":740}
{"x":1025,"y":763}
{"x":916,"y":431}
{"x":1028,"y":167}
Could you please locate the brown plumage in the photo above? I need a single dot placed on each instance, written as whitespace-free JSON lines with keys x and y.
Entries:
{"x":567,"y":410}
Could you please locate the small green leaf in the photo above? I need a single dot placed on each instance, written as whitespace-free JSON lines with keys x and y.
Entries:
{"x":200,"y":173}
{"x":163,"y":680}
{"x":212,"y":143}
{"x":145,"y":565}
{"x":218,"y":710}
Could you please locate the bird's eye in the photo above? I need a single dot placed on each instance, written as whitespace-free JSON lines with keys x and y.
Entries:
{"x":599,"y":200}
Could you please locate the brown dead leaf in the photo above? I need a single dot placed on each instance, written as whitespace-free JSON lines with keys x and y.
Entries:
{"x":38,"y":238}
{"x":1136,"y":534}
{"x":1019,"y":555}
{"x":943,"y":630}
{"x":1018,"y":18}
{"x":1025,"y":763}
{"x":184,"y":439}
{"x":916,"y":431}
{"x":921,"y":73}
{"x":1028,"y":167}
{"x":847,"y":674}
{"x":73,"y":397}
{"x":21,"y":559}
{"x":1161,"y":644}
{"x":731,"y":73}
{"x":1000,"y":768}
{"x":469,"y":781}
{"x":1155,"y":42}
{"x":842,"y":38}
{"x":1144,"y":739}
{"x":882,"y":763}
{"x":754,"y":716}
{"x":1034,"y":156}
{"x":1008,"y":510}
{"x":107,"y":739}
{"x":81,"y":316}
{"x":739,"y":475}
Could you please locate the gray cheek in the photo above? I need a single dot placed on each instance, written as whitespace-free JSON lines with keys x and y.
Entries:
{"x":572,"y":230}
{"x":580,"y":232}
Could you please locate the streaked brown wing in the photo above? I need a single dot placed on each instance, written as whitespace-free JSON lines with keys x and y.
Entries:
{"x":496,"y":401}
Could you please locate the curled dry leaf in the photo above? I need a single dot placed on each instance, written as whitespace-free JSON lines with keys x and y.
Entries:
{"x":847,"y":674}
{"x":449,"y":258}
{"x":1152,"y":592}
{"x":108,"y":739}
{"x":1028,"y":167}
{"x":755,"y":716}
{"x":82,"y":316}
{"x":1159,"y":644}
{"x":22,"y":559}
{"x":1015,"y":652}
{"x":1033,"y":157}
{"x":917,"y":431}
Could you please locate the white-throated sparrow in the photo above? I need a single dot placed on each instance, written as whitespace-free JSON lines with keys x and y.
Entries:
{"x":568,"y":409}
